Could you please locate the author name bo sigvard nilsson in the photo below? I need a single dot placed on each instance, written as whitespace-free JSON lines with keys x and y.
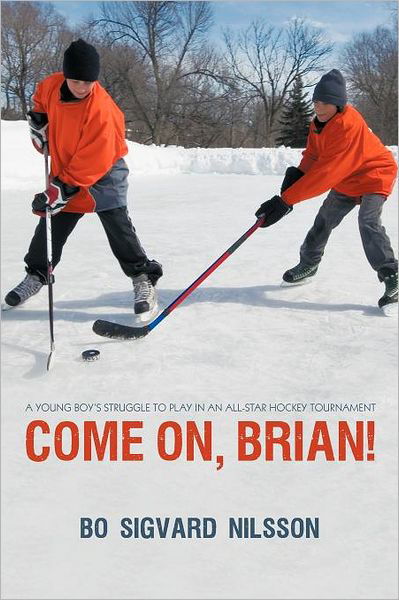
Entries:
{"x":204,"y":527}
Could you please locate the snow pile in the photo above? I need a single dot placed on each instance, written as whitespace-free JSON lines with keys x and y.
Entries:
{"x":174,"y":160}
{"x":152,"y":160}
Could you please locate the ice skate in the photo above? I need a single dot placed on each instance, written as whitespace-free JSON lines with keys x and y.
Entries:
{"x":388,"y":303}
{"x":145,"y":297}
{"x":299,"y":275}
{"x":30,"y":286}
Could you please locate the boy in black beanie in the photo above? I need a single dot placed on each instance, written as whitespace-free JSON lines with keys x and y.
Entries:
{"x":85,"y":133}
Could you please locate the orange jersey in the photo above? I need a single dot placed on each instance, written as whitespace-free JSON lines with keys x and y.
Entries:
{"x":86,"y":138}
{"x":345,"y":156}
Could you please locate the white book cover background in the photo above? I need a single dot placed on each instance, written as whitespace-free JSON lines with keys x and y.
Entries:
{"x":239,"y":338}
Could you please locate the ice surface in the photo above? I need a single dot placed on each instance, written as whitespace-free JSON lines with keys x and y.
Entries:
{"x":239,"y":338}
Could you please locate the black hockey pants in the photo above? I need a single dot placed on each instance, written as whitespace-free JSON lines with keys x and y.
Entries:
{"x":121,"y":235}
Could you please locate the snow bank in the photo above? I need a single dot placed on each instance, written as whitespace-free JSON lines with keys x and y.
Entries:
{"x":18,"y":153}
{"x":144,"y":160}
{"x":174,"y":160}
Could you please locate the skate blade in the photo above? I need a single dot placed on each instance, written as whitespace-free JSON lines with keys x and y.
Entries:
{"x":390,"y":310}
{"x":295,"y":283}
{"x":5,"y":306}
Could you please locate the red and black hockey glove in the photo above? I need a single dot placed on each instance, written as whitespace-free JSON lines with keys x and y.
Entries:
{"x":273,"y":210}
{"x":38,"y":124}
{"x":56,"y":197}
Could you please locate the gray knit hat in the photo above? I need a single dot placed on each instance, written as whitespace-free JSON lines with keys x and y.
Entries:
{"x":331,"y":89}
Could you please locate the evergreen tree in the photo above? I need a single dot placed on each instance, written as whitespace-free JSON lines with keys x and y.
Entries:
{"x":295,"y":118}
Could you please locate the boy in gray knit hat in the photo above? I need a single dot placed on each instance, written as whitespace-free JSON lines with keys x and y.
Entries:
{"x":344,"y":156}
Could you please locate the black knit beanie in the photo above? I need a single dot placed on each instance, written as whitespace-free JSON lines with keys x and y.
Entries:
{"x":81,"y":62}
{"x":331,"y":89}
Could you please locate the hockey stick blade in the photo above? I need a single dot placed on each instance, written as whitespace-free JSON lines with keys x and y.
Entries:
{"x":115,"y":331}
{"x":50,"y":360}
{"x":124,"y":332}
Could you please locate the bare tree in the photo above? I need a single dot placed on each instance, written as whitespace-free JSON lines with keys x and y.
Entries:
{"x":32,"y":37}
{"x":392,"y":14}
{"x":126,"y":78}
{"x":371,"y":66}
{"x":168,"y":37}
{"x":265,"y":61}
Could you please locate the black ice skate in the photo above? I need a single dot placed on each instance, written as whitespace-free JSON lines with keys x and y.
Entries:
{"x":388,"y":302}
{"x":299,"y":275}
{"x":30,"y":286}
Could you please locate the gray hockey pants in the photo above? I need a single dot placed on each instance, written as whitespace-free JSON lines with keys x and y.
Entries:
{"x":335,"y":207}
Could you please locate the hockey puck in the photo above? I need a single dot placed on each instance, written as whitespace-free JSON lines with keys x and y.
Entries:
{"x":90,"y":355}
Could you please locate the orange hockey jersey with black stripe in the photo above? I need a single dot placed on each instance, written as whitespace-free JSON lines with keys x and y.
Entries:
{"x":86,"y":138}
{"x":345,"y":156}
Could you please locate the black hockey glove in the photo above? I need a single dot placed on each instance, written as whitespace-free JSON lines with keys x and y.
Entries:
{"x":292,"y":175}
{"x":38,"y":123}
{"x":55,"y":197}
{"x":273,"y":210}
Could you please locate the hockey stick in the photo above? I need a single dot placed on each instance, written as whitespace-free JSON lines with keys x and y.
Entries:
{"x":49,"y":265}
{"x":124,"y":332}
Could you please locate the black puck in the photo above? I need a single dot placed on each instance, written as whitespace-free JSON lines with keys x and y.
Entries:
{"x":90,"y":355}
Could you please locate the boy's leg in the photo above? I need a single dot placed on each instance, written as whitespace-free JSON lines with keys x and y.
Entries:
{"x":126,"y":246}
{"x":62,"y":226}
{"x":375,"y":240}
{"x":36,"y":258}
{"x":378,"y":249}
{"x":334,"y":208}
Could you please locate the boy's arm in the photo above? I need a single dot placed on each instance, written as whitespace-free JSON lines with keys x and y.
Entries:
{"x":39,"y":101}
{"x":339,"y":160}
{"x":309,"y":155}
{"x":38,"y":121}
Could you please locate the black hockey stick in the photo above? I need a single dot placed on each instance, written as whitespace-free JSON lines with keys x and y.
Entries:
{"x":124,"y":332}
{"x":49,"y":244}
